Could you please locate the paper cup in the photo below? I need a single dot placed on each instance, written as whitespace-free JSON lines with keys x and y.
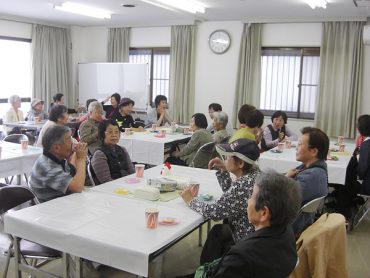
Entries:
{"x":281,"y":147}
{"x":163,"y":133}
{"x":151,"y":218}
{"x":154,"y":127}
{"x":194,"y":188}
{"x":340,"y":140}
{"x":186,"y":131}
{"x":288,"y":144}
{"x":24,"y":144}
{"x":139,"y":170}
{"x":341,"y":147}
{"x":37,"y":120}
{"x":127,"y":131}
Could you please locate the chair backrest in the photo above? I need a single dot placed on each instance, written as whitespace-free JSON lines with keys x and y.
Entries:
{"x":90,"y":173}
{"x":313,"y":205}
{"x":15,"y":138}
{"x":205,"y":150}
{"x":14,"y":195}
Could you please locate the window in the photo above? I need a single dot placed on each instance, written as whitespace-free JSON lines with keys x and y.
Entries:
{"x":15,"y":71}
{"x":159,"y":68}
{"x":289,"y":81}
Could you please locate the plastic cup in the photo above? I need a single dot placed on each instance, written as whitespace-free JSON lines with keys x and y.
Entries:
{"x":194,"y":188}
{"x":127,"y":131}
{"x":340,"y":140}
{"x":151,"y":218}
{"x":24,"y":144}
{"x":341,"y":147}
{"x":154,"y":127}
{"x":288,"y":144}
{"x":281,"y":147}
{"x":139,"y":170}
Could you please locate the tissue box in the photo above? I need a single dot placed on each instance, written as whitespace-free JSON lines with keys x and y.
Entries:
{"x":163,"y":184}
{"x":147,"y":193}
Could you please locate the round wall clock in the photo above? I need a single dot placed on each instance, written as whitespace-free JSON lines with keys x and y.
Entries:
{"x":219,"y":41}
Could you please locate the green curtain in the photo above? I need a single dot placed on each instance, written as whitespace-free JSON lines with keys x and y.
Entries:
{"x":340,"y":85}
{"x":248,"y":83}
{"x":118,"y":44}
{"x":52,"y":63}
{"x":182,"y":68}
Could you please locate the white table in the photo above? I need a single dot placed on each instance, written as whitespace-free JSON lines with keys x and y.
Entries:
{"x":103,"y":227}
{"x":282,"y":162}
{"x":27,"y":125}
{"x":15,"y":161}
{"x":144,"y":147}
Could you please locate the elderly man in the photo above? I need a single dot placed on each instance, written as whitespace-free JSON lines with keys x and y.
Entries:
{"x":312,"y":174}
{"x":89,"y":128}
{"x":13,"y":114}
{"x":52,"y":176}
{"x":270,"y":251}
{"x":220,"y":120}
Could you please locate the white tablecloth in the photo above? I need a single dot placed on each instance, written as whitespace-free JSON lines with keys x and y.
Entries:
{"x":282,"y":162}
{"x":27,"y":125}
{"x":144,"y":147}
{"x":14,"y":160}
{"x":101,"y":226}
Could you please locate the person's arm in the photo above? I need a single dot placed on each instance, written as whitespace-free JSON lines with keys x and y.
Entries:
{"x":87,"y":133}
{"x":130,"y":166}
{"x":151,"y":116}
{"x":78,"y":181}
{"x":363,"y":163}
{"x":100,"y":166}
{"x":191,"y":146}
{"x":289,"y":134}
{"x":235,"y":264}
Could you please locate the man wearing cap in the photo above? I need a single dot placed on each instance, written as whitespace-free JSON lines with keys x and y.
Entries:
{"x":36,"y":111}
{"x":241,"y":157}
{"x":124,"y":118}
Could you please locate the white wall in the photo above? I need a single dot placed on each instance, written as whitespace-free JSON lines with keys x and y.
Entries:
{"x":10,"y":28}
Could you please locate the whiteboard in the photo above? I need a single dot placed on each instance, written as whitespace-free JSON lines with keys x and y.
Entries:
{"x":100,"y":80}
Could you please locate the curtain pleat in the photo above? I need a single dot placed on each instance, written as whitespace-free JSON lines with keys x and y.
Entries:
{"x":248,"y":83}
{"x":52,"y":63}
{"x":118,"y":45}
{"x":182,"y":72}
{"x":341,"y":67}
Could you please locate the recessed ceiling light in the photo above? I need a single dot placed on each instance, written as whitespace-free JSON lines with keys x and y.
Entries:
{"x":128,"y":5}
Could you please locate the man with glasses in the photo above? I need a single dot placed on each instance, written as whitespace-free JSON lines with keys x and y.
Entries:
{"x":52,"y":176}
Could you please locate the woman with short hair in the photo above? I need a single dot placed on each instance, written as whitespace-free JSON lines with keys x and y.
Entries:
{"x":13,"y":114}
{"x":219,"y":123}
{"x":112,"y":109}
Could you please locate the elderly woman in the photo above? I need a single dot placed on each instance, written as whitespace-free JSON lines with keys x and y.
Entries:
{"x":159,"y":114}
{"x":58,"y":116}
{"x":36,"y":111}
{"x":124,"y":118}
{"x":219,"y":124}
{"x":241,"y":156}
{"x":110,"y":161}
{"x":199,"y":138}
{"x":112,"y":109}
{"x":277,"y":132}
{"x":89,"y":128}
{"x":13,"y":114}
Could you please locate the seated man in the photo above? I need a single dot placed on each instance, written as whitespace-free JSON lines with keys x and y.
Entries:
{"x":159,"y":114}
{"x":270,"y":251}
{"x":52,"y":176}
{"x":89,"y":128}
{"x":312,"y":174}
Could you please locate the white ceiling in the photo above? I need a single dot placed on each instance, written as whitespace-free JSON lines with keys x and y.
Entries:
{"x":144,"y":14}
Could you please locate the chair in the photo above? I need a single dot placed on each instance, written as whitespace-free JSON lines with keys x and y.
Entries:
{"x":11,"y":197}
{"x":15,"y":138}
{"x":203,"y":154}
{"x":90,"y":173}
{"x":312,"y":206}
{"x":362,"y":212}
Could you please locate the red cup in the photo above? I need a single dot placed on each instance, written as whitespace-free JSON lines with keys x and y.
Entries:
{"x":341,"y":147}
{"x":151,"y":218}
{"x":139,"y":170}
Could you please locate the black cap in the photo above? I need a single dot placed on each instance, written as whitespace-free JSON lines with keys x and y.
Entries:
{"x":245,"y":149}
{"x":126,"y":101}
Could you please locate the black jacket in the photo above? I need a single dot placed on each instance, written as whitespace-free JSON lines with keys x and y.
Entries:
{"x":267,"y":253}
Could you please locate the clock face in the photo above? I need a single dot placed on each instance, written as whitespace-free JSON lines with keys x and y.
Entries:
{"x":219,"y":41}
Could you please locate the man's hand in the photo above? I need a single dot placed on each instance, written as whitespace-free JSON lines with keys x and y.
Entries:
{"x":81,"y":151}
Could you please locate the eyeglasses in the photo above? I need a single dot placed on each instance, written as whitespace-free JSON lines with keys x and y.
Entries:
{"x":112,"y":132}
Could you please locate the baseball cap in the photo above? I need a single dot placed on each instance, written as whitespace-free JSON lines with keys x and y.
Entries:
{"x":245,"y":149}
{"x":36,"y":101}
{"x":126,"y":101}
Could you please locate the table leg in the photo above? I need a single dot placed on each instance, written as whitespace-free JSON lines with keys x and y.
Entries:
{"x":19,"y":179}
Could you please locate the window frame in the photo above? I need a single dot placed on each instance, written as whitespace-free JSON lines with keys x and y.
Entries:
{"x":153,"y":50}
{"x":304,"y":52}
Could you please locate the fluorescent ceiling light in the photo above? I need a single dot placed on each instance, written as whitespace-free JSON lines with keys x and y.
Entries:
{"x":316,"y":3}
{"x":190,"y":6}
{"x":83,"y":10}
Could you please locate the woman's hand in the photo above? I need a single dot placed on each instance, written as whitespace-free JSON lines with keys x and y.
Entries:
{"x":186,"y":195}
{"x":292,"y":173}
{"x":216,"y":163}
{"x":281,"y":136}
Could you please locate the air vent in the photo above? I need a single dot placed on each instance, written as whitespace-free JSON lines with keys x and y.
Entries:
{"x":362,"y":3}
{"x":128,"y":5}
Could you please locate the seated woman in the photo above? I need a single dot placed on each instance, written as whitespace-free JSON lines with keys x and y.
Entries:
{"x":110,"y":161}
{"x":251,"y":121}
{"x":219,"y":124}
{"x":124,"y":118}
{"x":111,"y":110}
{"x":241,"y":156}
{"x":159,"y":114}
{"x":36,"y":111}
{"x":58,"y":116}
{"x":13,"y":114}
{"x":199,"y":138}
{"x":277,"y":132}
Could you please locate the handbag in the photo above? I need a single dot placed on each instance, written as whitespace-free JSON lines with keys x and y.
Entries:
{"x":208,"y":269}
